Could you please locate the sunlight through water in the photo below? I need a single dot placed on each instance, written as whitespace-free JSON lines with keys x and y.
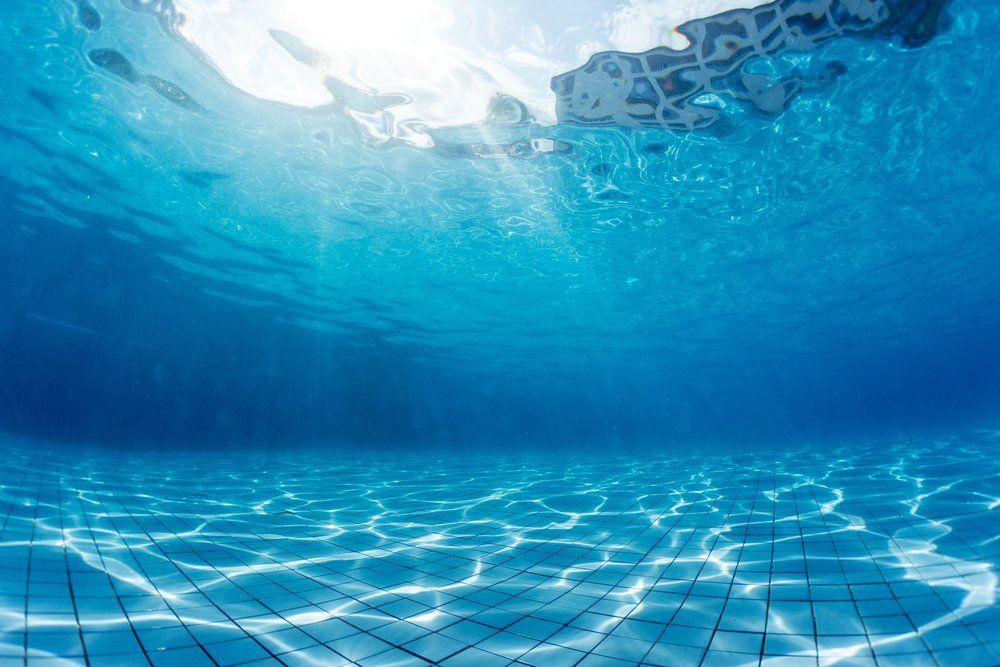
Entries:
{"x":500,"y":332}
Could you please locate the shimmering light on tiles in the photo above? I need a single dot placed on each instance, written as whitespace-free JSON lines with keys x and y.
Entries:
{"x":879,"y":554}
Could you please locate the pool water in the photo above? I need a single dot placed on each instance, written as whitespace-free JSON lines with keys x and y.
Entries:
{"x":475,"y":332}
{"x":876,"y":554}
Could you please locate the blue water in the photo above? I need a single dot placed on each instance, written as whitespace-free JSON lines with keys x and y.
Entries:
{"x":604,"y":332}
{"x":867,"y":554}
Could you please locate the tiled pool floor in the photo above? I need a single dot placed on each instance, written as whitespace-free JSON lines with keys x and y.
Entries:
{"x":883,"y":554}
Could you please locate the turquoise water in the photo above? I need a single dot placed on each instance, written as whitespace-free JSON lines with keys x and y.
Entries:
{"x":877,"y":554}
{"x":602,"y":332}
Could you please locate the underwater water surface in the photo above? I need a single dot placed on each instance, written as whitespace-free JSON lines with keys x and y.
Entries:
{"x":434,"y":332}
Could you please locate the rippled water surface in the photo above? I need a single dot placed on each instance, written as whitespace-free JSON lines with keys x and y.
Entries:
{"x":474,"y":332}
{"x":882,"y":554}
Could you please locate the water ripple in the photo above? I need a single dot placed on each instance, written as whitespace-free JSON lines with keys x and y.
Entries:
{"x":873,"y":554}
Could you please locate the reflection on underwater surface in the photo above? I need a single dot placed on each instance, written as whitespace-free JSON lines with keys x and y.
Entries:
{"x":181,"y":259}
{"x":874,"y":554}
{"x":610,"y":226}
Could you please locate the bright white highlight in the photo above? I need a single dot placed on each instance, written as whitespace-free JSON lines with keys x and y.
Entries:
{"x":398,"y":64}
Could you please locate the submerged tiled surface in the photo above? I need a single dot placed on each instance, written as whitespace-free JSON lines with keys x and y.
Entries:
{"x":874,"y":555}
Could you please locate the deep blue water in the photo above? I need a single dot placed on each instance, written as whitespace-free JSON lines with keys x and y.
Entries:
{"x":317,"y":320}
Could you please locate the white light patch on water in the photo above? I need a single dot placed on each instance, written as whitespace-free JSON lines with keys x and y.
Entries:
{"x":447,"y":59}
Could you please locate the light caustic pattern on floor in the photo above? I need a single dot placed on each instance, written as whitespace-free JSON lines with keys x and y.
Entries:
{"x":867,"y":555}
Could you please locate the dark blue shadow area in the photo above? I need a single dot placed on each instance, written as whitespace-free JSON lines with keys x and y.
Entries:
{"x":101,"y":340}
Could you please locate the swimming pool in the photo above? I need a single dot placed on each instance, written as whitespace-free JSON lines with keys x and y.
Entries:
{"x":604,"y":332}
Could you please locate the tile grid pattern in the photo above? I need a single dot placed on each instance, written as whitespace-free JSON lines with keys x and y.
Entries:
{"x":879,"y":556}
